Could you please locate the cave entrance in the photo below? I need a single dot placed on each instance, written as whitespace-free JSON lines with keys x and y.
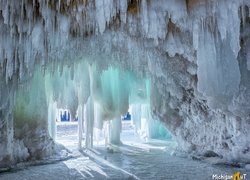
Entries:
{"x":103,"y":107}
{"x":66,"y":129}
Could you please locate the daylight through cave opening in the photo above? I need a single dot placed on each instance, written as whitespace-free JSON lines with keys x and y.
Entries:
{"x":97,"y":98}
{"x":111,"y":93}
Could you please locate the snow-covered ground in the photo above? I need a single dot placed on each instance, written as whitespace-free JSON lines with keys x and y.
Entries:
{"x":134,"y":159}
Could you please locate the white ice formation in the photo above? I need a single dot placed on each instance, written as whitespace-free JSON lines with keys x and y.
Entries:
{"x":76,"y":54}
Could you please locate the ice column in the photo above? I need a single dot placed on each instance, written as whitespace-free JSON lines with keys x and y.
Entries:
{"x":145,"y":117}
{"x":98,"y":123}
{"x":136,"y":116}
{"x":107,"y":132}
{"x":98,"y":116}
{"x":81,"y":113}
{"x":52,"y":115}
{"x":115,"y":130}
{"x":89,"y":123}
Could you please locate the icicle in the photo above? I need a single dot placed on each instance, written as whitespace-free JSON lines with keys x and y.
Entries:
{"x":195,"y":35}
{"x":145,"y":118}
{"x":52,"y":115}
{"x":107,"y":133}
{"x":98,"y":116}
{"x":59,"y":6}
{"x":243,"y":15}
{"x":89,"y":123}
{"x":136,"y":117}
{"x":80,"y":111}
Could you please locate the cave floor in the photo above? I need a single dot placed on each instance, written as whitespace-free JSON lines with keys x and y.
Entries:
{"x":134,"y":159}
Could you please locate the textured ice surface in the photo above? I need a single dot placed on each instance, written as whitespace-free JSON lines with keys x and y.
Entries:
{"x":134,"y":159}
{"x":59,"y":53}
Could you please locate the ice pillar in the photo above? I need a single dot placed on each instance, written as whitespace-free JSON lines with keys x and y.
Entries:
{"x":52,"y":115}
{"x":81,"y":113}
{"x":136,"y":116}
{"x":115,"y":131}
{"x":89,"y":122}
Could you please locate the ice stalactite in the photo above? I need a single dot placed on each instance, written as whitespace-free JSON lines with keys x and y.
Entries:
{"x":89,"y":123}
{"x":82,"y":85}
{"x":111,"y":92}
{"x":80,"y":115}
{"x":220,"y":56}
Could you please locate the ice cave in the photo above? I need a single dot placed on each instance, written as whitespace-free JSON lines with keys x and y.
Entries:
{"x":124,"y":89}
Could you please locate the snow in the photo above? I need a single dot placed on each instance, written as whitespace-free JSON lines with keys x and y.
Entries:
{"x":247,"y":167}
{"x":134,"y":159}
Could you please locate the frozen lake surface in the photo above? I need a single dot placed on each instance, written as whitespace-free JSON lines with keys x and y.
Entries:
{"x":135,"y":159}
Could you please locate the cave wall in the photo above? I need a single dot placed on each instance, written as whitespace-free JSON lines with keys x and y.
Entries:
{"x":196,"y":54}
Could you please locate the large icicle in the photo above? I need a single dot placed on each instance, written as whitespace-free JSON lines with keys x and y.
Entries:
{"x":89,"y":123}
{"x":52,"y":116}
{"x":81,"y":115}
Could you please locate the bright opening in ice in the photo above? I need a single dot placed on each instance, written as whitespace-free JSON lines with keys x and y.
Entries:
{"x":113,"y":108}
{"x":66,"y":128}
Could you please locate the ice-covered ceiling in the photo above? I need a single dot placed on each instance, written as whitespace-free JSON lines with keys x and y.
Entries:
{"x":196,"y":54}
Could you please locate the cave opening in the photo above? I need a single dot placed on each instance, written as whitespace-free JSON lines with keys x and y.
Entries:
{"x":118,"y":111}
{"x":66,"y":129}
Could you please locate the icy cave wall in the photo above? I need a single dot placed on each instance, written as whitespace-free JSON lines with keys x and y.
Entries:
{"x":196,"y":52}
